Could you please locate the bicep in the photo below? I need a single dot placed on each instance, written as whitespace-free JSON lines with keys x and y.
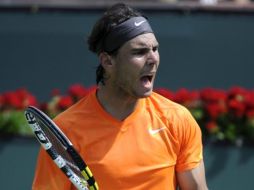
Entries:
{"x":193,"y":179}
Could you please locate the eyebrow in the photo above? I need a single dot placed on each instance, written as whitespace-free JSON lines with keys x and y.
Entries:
{"x":144,"y":47}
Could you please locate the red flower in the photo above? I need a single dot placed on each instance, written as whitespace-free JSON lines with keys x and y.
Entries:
{"x":187,"y":98}
{"x":26,"y":98}
{"x":213,"y":95}
{"x":250,"y":114}
{"x":249,"y":99}
{"x":11,"y":100}
{"x":44,"y":107}
{"x":215,"y":109}
{"x":165,"y":92}
{"x":65,"y":102}
{"x":238,"y":93}
{"x":236,"y":107}
{"x":211,"y":126}
{"x":238,"y":101}
{"x":77,"y":91}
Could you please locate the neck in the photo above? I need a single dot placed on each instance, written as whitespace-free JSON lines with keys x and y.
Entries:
{"x":119,"y":105}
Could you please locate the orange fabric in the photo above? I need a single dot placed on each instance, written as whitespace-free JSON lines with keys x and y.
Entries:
{"x":142,"y":152}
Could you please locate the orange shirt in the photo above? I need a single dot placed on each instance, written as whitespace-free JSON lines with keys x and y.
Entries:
{"x":142,"y":152}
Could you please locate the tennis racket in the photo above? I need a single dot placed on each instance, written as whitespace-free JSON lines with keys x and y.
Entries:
{"x":60,"y":149}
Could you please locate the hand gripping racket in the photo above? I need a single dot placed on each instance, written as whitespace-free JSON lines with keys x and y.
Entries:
{"x":60,"y":149}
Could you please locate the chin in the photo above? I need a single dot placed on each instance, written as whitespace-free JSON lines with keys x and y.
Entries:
{"x":146,"y":94}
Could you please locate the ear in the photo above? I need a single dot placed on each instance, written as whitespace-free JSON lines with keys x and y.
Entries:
{"x":105,"y":60}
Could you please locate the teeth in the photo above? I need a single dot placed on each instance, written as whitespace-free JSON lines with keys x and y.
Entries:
{"x":148,"y":75}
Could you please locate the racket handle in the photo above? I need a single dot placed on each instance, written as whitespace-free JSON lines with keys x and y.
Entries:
{"x":86,"y":172}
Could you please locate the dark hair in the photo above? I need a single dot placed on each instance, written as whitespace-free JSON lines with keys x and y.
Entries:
{"x":115,"y":15}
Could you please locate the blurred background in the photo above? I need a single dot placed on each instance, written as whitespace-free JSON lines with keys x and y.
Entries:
{"x":207,"y":64}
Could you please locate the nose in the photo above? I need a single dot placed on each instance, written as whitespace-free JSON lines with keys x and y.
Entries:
{"x":153,"y":57}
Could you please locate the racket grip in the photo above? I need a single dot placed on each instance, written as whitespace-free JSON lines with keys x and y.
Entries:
{"x":86,"y":172}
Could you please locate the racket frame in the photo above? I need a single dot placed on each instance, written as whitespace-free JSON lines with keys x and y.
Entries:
{"x":31,"y":113}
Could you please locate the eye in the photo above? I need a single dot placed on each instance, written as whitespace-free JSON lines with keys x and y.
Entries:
{"x":155,"y":48}
{"x":140,"y":52}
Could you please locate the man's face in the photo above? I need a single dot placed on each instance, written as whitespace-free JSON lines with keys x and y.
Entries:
{"x":135,"y":66}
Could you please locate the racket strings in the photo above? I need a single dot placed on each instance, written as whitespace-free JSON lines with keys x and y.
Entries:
{"x":60,"y":149}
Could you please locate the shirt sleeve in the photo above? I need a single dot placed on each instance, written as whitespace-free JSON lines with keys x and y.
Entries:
{"x":190,"y":139}
{"x":48,"y":176}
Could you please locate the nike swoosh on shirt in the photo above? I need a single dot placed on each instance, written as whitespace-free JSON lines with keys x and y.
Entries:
{"x":154,"y":131}
{"x":139,"y":23}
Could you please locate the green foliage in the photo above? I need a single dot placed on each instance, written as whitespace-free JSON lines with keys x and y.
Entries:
{"x":13,"y":122}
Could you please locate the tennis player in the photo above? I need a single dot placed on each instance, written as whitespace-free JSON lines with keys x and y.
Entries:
{"x":130,"y":137}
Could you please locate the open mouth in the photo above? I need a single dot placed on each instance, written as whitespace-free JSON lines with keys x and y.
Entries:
{"x":146,"y":80}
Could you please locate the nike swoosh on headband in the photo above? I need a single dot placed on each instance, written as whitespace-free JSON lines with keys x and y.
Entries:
{"x":139,"y":23}
{"x":125,"y":31}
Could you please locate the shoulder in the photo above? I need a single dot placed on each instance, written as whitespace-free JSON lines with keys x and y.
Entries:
{"x":178,"y":117}
{"x":73,"y":114}
{"x":166,"y":106}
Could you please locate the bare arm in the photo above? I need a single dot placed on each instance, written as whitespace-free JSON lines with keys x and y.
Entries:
{"x":193,"y":179}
